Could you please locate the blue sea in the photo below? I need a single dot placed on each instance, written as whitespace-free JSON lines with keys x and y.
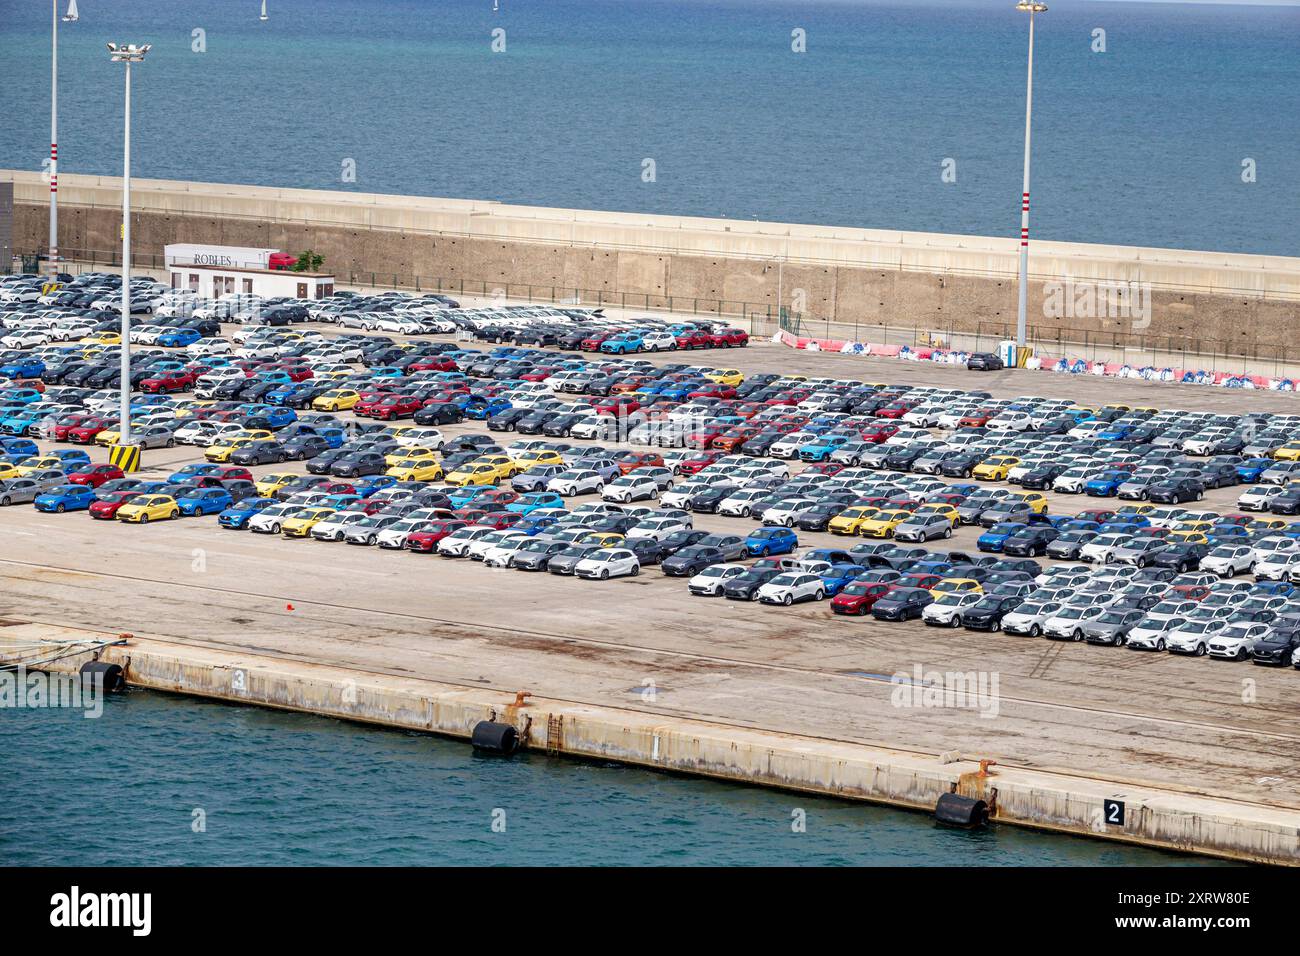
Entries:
{"x":1143,"y":143}
{"x":160,"y":779}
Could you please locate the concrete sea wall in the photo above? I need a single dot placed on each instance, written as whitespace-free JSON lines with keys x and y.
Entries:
{"x":1067,"y":803}
{"x":844,"y":281}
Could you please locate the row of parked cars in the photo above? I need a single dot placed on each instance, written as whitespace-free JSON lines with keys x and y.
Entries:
{"x":362,"y":412}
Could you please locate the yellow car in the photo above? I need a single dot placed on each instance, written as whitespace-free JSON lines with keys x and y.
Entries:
{"x":29,"y":465}
{"x":187,"y":407}
{"x":148,"y":508}
{"x":957,"y":586}
{"x":995,"y":468}
{"x":1204,"y":527}
{"x":268,"y":485}
{"x":882,"y":525}
{"x":1288,"y":452}
{"x":725,"y":376}
{"x":110,"y":436}
{"x":225,"y":447}
{"x":1116,"y":406}
{"x":102,"y":338}
{"x":1034,"y":499}
{"x":336,"y":400}
{"x":417,"y":469}
{"x":299,"y":525}
{"x":530,"y":459}
{"x":1267,"y":524}
{"x":1188,"y":537}
{"x":1136,"y":509}
{"x":506,"y":467}
{"x":940,"y":508}
{"x":606,"y":539}
{"x":471,"y":473}
{"x":395,"y":458}
{"x":850,"y":520}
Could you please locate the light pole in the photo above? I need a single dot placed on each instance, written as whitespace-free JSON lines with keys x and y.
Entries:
{"x":1026,"y":6}
{"x":70,"y":17}
{"x":127,"y":54}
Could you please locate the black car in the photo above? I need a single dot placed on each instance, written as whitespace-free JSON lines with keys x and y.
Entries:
{"x":984,"y":362}
{"x":359,"y":463}
{"x":691,"y":560}
{"x":506,"y":420}
{"x":1031,"y":541}
{"x":302,"y":447}
{"x":321,"y":463}
{"x":536,"y":554}
{"x":1181,"y":557}
{"x":269,"y":452}
{"x":647,"y":550}
{"x":707,"y":501}
{"x":439,"y":413}
{"x":534,"y":422}
{"x":1174,"y":491}
{"x":680,"y":539}
{"x":987,"y":613}
{"x":1277,"y":646}
{"x":901,"y":604}
{"x":1041,"y":478}
{"x":960,"y":465}
{"x":1287,"y":503}
{"x":744,"y":587}
{"x":558,"y":425}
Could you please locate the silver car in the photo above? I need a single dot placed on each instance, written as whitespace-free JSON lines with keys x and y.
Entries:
{"x":14,"y":491}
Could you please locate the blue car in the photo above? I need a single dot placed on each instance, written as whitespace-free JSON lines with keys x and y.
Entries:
{"x":368,"y":485}
{"x":822,"y":448}
{"x":829,"y":555}
{"x":536,"y":501}
{"x":237,"y":515}
{"x":1284,"y":588}
{"x":19,"y":423}
{"x":27,"y":367}
{"x":765,"y":542}
{"x":66,"y":498}
{"x":535,"y":524}
{"x":178,"y":339}
{"x":483,"y":408}
{"x":623,"y":343}
{"x":839,"y":576}
{"x":70,"y":457}
{"x":193,"y":471}
{"x":204,"y":501}
{"x":1250,"y":469}
{"x":1106,"y":485}
{"x":19,"y":447}
{"x":996,"y":536}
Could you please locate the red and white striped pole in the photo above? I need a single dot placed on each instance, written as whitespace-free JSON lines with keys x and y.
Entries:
{"x":1021,"y":313}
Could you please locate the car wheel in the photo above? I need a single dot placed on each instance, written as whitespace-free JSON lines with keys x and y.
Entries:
{"x":754,"y":595}
{"x":636,"y":570}
{"x":1241,"y":654}
{"x":4,"y":501}
{"x":820,"y":595}
{"x":1160,"y":644}
{"x":604,"y":575}
{"x":1077,"y":635}
{"x":59,"y":508}
{"x":1200,"y":650}
{"x":1035,"y":631}
{"x":787,"y":600}
{"x":997,"y":625}
{"x":275,"y":528}
{"x":954,"y":621}
{"x":144,"y":519}
{"x":947,"y":532}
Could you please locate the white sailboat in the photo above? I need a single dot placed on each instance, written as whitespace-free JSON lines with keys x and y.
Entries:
{"x":263,"y":16}
{"x":72,"y":16}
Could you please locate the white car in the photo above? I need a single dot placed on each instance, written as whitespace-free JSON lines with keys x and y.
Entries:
{"x":945,"y":610}
{"x":608,"y":563}
{"x":1193,"y":637}
{"x":1069,"y":620}
{"x":1101,"y":549}
{"x":1235,"y":641}
{"x":660,"y":528}
{"x":576,"y":481}
{"x":658,"y":342}
{"x":270,"y":520}
{"x":336,"y":525}
{"x":1151,"y":633}
{"x":456,"y":544}
{"x":1271,"y":548}
{"x":790,"y":587}
{"x":479,"y":547}
{"x":737,"y":504}
{"x":502,"y":555}
{"x":710,"y":581}
{"x":631,"y":487}
{"x":1229,"y":560}
{"x":1278,"y":566}
{"x":1028,"y":618}
{"x":1257,"y":497}
{"x":394,"y":536}
{"x":422,"y":437}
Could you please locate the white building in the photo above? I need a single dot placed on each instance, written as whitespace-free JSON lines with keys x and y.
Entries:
{"x":212,"y":281}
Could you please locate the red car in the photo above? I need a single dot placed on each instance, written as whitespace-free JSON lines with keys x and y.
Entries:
{"x":106,"y":508}
{"x":1189,"y":592}
{"x":877,"y":434}
{"x":426,"y":541}
{"x":858,"y":597}
{"x":698,"y":463}
{"x":94,"y":475}
{"x":85,"y":433}
{"x":432,"y":363}
{"x":394,"y":406}
{"x":826,"y":468}
{"x":728,"y":338}
{"x":644,"y":459}
{"x":621,"y":405}
{"x":65,"y":425}
{"x":714,"y":390}
{"x":500,"y":520}
{"x":693,"y":340}
{"x":1099,"y":515}
{"x":176,"y":381}
{"x":975,"y":419}
{"x":735,"y":437}
{"x":592,"y":342}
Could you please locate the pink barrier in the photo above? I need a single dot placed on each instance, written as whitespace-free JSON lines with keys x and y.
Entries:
{"x":886,"y":351}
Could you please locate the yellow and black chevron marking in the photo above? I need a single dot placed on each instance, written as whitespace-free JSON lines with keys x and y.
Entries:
{"x":126,"y":457}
